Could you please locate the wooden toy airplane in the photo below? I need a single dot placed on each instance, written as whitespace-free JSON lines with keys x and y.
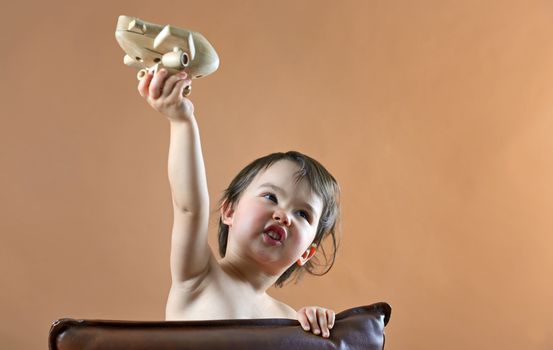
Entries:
{"x":150,"y":46}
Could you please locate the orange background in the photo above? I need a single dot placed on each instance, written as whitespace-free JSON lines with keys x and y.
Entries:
{"x":435,"y":116}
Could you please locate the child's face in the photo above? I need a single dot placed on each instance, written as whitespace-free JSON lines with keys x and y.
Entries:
{"x":274,"y":198}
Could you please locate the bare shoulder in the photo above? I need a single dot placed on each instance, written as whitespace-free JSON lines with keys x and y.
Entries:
{"x":202,"y":279}
{"x":284,"y":310}
{"x":187,"y":299}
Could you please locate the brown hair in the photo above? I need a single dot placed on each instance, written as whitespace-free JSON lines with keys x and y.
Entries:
{"x":321,"y":182}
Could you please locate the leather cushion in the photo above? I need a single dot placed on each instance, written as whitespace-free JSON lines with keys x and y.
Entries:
{"x":357,"y":328}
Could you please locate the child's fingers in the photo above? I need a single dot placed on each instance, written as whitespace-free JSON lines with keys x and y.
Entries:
{"x":171,"y":82}
{"x":157,"y":84}
{"x":323,"y":324}
{"x":312,"y":317}
{"x":317,"y":319}
{"x":302,"y":318}
{"x":143,"y":85}
{"x":179,"y":87}
{"x":330,"y":317}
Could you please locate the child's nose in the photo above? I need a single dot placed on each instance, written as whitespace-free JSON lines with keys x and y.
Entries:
{"x":282,"y":217}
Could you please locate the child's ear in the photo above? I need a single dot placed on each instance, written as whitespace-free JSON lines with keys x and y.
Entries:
{"x":227,"y":212}
{"x":307,"y":255}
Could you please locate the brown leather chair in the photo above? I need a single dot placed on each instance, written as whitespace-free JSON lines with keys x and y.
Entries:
{"x":357,"y":328}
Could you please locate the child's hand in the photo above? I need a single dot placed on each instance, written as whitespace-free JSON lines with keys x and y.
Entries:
{"x":316,"y":319}
{"x":165,"y":94}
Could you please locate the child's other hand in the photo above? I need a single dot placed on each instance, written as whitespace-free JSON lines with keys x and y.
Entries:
{"x":317,"y":320}
{"x":165,"y":94}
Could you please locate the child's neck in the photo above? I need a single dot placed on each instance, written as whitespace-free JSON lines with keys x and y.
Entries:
{"x":248,"y":273}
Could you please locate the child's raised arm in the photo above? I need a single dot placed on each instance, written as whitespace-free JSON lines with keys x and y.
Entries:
{"x":190,"y":253}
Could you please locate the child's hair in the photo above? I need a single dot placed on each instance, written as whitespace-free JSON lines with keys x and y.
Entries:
{"x":321,"y":182}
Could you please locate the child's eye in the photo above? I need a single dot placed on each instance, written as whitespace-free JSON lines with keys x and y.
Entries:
{"x":304,"y":214}
{"x":270,"y":197}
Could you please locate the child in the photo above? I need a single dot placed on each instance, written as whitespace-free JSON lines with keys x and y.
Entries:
{"x":274,"y":216}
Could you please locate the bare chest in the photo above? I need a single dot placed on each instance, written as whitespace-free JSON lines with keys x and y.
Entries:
{"x":219,"y":298}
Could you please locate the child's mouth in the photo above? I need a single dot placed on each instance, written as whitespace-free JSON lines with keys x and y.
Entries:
{"x":274,"y":235}
{"x":272,"y":238}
